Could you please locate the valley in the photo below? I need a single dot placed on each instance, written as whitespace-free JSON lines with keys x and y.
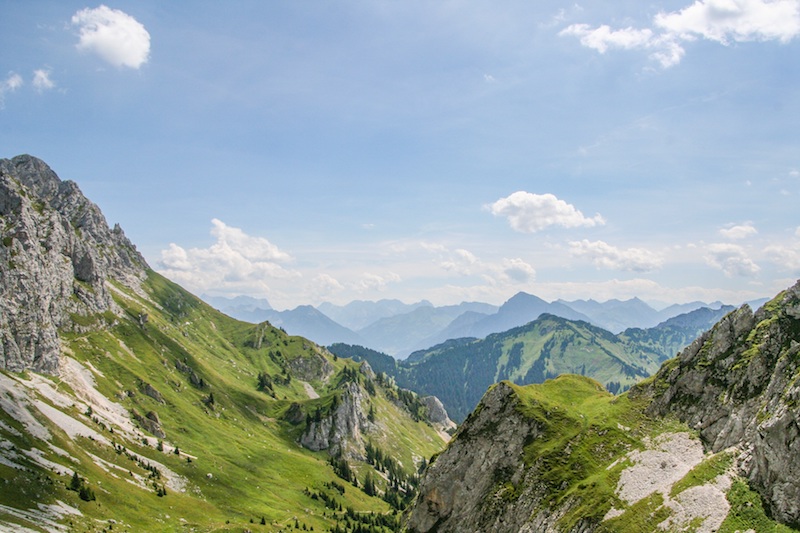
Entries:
{"x":129,"y":404}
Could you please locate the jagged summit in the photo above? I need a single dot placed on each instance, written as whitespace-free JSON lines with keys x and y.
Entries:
{"x":57,"y":260}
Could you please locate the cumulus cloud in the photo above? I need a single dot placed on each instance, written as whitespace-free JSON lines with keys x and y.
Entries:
{"x":324,"y":285}
{"x":787,"y":258}
{"x":723,"y":21}
{"x":518,"y":271}
{"x":604,"y":255}
{"x":235,"y":262}
{"x":529,"y":213}
{"x":115,"y":36}
{"x":732,"y":259}
{"x":739,"y":231}
{"x":42,"y":81}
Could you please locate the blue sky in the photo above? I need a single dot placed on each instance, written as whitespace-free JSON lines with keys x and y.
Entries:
{"x":313,"y":151}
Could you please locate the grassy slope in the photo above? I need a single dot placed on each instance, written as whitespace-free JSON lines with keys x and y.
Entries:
{"x":245,"y":463}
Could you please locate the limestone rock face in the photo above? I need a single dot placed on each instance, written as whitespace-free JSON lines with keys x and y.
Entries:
{"x":311,"y":367}
{"x":57,"y":256}
{"x":437,"y":414}
{"x":341,"y":430}
{"x":468,"y":487}
{"x":738,"y":385}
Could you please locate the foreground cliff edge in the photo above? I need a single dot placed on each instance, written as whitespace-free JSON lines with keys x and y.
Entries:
{"x":128,"y":404}
{"x":710,"y":443}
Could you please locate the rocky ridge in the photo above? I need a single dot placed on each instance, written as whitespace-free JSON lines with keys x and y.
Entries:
{"x":58,"y":258}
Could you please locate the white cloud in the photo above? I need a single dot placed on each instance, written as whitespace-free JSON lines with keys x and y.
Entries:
{"x":607,"y":256}
{"x":10,"y":84}
{"x":603,"y":37}
{"x":723,"y":21}
{"x":787,"y":258}
{"x":460,"y":261}
{"x":236,"y":262}
{"x":42,"y":81}
{"x":517,"y":270}
{"x":115,"y":36}
{"x":375,"y":282}
{"x":734,"y":20}
{"x":739,"y":231}
{"x":732,"y":259}
{"x":529,"y":213}
{"x":324,"y":285}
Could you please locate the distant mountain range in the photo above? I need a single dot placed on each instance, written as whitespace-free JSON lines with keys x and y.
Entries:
{"x":399,"y":329}
{"x":459,"y":371}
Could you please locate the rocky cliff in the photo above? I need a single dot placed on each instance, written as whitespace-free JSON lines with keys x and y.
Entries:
{"x":739,"y":385}
{"x":697,"y":447}
{"x":58,"y":259}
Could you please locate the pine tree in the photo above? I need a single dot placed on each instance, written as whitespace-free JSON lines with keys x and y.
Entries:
{"x":75,"y":483}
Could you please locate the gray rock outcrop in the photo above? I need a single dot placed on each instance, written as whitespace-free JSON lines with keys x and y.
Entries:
{"x":57,"y":255}
{"x":437,"y":414}
{"x":340,"y":431}
{"x":738,"y":385}
{"x":470,"y":486}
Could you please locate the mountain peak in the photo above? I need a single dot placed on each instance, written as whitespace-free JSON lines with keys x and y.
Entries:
{"x":56,"y":258}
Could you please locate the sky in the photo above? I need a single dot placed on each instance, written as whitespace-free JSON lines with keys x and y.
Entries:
{"x":451,"y":151}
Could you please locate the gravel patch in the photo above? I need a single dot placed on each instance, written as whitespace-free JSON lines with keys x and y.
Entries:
{"x":669,"y":458}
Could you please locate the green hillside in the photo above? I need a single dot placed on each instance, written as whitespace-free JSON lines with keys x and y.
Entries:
{"x":177,"y":418}
{"x":459,"y":373}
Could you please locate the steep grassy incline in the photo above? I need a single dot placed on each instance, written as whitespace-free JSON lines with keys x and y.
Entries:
{"x":175,"y":417}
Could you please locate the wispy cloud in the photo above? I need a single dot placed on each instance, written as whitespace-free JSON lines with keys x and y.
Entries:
{"x":723,"y":21}
{"x":370,"y":282}
{"x":115,"y":36}
{"x":528,"y":213}
{"x":42,"y":81}
{"x":604,"y":255}
{"x":10,"y":84}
